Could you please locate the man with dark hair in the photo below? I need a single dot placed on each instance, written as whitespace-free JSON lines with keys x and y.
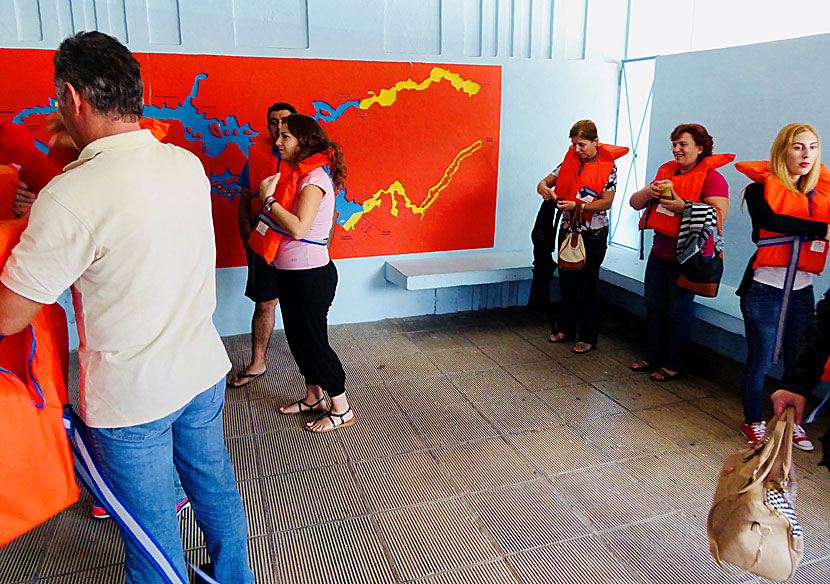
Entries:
{"x":143,"y":280}
{"x":263,"y":161}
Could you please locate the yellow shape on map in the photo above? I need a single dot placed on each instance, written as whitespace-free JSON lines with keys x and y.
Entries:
{"x":396,"y":189}
{"x":388,"y":96}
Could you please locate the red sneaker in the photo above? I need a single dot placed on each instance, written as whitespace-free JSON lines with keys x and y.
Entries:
{"x":99,"y":512}
{"x":754,"y":432}
{"x":801,"y":441}
{"x":182,"y":505}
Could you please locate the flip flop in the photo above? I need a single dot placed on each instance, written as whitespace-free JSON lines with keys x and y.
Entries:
{"x":556,"y":338}
{"x":663,"y":375}
{"x":249,"y":377}
{"x":303,"y":407}
{"x":334,"y":425}
{"x":581,"y":348}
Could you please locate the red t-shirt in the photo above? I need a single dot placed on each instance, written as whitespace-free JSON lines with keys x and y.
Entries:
{"x":665,"y":247}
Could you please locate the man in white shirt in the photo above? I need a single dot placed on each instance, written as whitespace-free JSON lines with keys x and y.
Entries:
{"x":128,"y":226}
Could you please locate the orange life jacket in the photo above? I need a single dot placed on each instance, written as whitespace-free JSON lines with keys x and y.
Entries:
{"x":158,"y":128}
{"x":37,"y":479}
{"x":9,"y":177}
{"x":574,"y":174}
{"x":262,"y":163}
{"x":688,"y":186}
{"x":265,"y":239}
{"x":775,"y":250}
{"x":17,"y":146}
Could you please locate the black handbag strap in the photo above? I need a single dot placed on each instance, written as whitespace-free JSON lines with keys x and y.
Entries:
{"x":643,"y":230}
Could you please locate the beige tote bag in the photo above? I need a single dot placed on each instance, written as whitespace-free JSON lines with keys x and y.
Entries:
{"x":752,"y":525}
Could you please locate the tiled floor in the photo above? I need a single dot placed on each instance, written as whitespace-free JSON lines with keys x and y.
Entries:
{"x":481,"y":453}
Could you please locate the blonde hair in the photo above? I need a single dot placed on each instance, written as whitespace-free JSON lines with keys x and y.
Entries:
{"x":778,"y":159}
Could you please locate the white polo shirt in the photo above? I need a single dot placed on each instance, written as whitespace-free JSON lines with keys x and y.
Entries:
{"x":128,"y":226}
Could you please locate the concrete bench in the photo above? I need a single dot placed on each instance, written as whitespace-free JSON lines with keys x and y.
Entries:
{"x":468,"y":269}
{"x":462,"y":281}
{"x":488,"y":279}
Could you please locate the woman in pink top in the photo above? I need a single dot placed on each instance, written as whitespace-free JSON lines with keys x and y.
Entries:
{"x":307,"y":276}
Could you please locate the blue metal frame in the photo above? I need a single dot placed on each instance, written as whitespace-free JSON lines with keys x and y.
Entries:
{"x":635,"y":147}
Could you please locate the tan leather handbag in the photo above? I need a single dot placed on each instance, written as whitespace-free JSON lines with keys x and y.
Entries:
{"x":752,"y":525}
{"x":572,"y":250}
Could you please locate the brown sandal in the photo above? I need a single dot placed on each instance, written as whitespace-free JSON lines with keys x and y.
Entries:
{"x":343,"y":423}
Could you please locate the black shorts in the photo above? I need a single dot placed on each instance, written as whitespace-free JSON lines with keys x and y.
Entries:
{"x":262,"y":279}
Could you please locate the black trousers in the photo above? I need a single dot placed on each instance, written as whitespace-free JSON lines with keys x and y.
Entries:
{"x":305,"y":298}
{"x":579,"y":314}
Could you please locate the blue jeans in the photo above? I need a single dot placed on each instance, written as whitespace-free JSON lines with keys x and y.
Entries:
{"x":140,"y":463}
{"x":669,"y":312}
{"x":761,"y":308}
{"x":177,"y":488}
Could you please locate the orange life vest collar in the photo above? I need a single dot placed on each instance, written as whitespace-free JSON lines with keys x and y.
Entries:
{"x":688,"y":186}
{"x":575,"y":175}
{"x":265,"y":240}
{"x":262,"y":163}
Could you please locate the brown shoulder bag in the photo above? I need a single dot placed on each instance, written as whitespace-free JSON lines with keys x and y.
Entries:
{"x":751,"y":524}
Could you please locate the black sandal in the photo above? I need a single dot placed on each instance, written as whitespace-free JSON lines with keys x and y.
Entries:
{"x":304,"y":407}
{"x":343,"y":423}
{"x":663,"y":375}
{"x":641,"y":365}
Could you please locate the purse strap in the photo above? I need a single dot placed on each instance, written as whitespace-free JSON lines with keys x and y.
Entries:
{"x":576,"y":218}
{"x":779,"y":446}
{"x":719,"y":238}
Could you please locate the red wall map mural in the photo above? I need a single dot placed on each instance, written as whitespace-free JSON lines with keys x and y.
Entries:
{"x":421,"y":140}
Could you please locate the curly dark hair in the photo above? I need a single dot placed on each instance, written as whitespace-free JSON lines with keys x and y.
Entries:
{"x":103,"y":72}
{"x":699,"y":135}
{"x":312,"y":139}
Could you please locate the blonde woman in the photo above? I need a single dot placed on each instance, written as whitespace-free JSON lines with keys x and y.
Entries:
{"x":789,"y":204}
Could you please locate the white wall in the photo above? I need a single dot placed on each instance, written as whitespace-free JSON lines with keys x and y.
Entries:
{"x":552,"y":75}
{"x":743,"y":95}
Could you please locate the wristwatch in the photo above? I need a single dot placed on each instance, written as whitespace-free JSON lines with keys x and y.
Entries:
{"x":267,"y":205}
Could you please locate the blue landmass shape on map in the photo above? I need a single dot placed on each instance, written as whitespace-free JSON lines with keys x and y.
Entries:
{"x":345,"y":208}
{"x":325,"y":112}
{"x":224,"y":184}
{"x":214,"y":134}
{"x":31,"y":111}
